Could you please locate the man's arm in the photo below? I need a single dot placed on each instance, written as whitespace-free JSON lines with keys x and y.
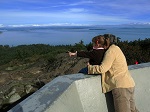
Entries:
{"x":84,"y":54}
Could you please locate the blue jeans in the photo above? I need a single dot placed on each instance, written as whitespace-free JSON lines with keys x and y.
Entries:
{"x":84,"y":70}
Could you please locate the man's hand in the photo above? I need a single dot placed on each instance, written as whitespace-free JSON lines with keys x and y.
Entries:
{"x":88,"y":64}
{"x":72,"y":54}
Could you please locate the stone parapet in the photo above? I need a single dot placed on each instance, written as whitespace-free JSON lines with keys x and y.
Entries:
{"x":82,"y":93}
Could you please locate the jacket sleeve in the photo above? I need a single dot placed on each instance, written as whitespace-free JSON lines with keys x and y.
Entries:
{"x":107,"y":62}
{"x":84,"y":54}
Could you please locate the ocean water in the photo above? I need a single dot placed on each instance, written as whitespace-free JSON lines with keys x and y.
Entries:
{"x":65,"y":35}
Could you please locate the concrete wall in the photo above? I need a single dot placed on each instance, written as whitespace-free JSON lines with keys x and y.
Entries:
{"x":82,"y":93}
{"x":141,"y":75}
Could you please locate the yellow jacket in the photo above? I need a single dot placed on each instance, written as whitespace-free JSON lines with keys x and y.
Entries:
{"x":114,"y":70}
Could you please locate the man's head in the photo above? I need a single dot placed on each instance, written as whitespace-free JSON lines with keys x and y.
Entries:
{"x":98,"y":41}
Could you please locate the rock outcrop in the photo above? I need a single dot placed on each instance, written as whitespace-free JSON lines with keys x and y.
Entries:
{"x":20,"y":81}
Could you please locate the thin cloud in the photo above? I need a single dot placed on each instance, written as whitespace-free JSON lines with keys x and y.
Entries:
{"x":79,"y":11}
{"x":76,"y":10}
{"x":81,"y":3}
{"x":64,"y":18}
{"x":128,"y":5}
{"x":59,"y":4}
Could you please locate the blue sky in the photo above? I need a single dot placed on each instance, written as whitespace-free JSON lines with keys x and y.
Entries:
{"x":88,"y":12}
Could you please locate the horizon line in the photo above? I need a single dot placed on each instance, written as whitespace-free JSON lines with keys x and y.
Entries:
{"x":67,"y":24}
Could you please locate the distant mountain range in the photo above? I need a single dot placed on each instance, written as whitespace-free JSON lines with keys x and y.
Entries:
{"x":67,"y":24}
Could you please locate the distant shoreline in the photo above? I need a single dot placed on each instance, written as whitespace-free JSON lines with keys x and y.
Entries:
{"x":97,"y":29}
{"x":69,"y":35}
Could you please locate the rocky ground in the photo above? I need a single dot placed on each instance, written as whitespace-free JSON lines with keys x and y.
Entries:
{"x":18,"y":82}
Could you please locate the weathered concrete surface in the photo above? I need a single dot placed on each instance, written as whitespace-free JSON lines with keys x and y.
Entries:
{"x":141,"y":75}
{"x":82,"y":93}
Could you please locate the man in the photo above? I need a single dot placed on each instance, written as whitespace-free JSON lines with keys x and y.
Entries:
{"x":95,"y":55}
{"x":116,"y":76}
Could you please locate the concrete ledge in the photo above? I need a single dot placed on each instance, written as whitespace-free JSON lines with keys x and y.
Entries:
{"x":82,"y":93}
{"x":141,"y":75}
